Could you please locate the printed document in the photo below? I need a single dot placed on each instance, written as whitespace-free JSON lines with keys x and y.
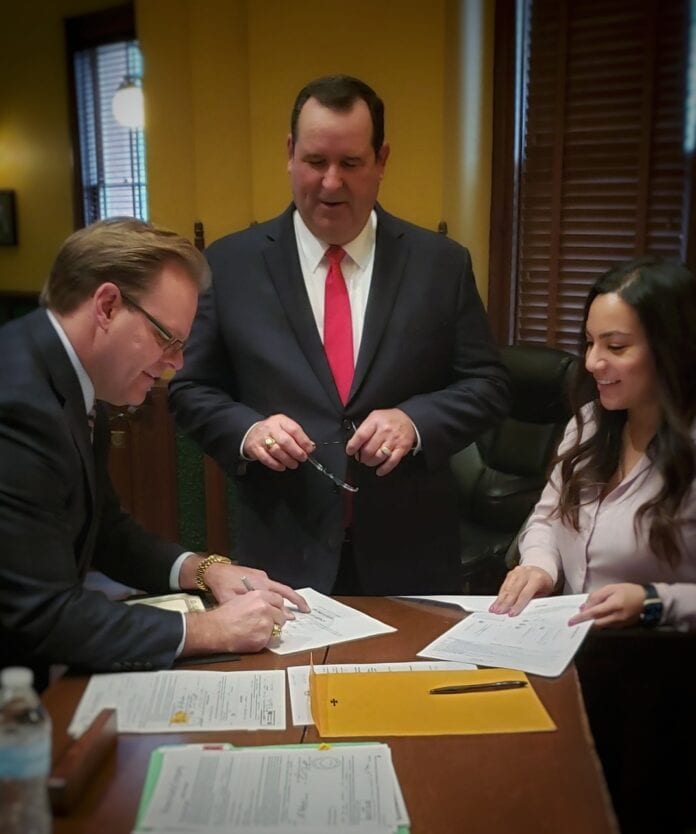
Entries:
{"x":329,"y":788}
{"x":328,"y":622}
{"x":539,"y":640}
{"x":298,"y":680}
{"x":161,"y":702}
{"x":171,"y":602}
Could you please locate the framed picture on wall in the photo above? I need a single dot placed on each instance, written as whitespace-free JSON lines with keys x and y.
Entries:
{"x":8,"y":222}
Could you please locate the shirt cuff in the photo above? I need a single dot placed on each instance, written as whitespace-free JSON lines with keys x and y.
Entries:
{"x":176,"y":570}
{"x":241,"y":445}
{"x":417,"y":447}
{"x":537,"y":558}
{"x":180,"y":647}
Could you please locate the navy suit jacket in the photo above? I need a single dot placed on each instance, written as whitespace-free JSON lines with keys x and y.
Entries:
{"x":59,"y":515}
{"x":426,"y":348}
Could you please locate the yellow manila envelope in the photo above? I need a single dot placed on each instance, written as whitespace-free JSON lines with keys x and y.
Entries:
{"x":400,"y":704}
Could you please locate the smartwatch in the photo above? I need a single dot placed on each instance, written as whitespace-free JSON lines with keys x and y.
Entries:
{"x":652,"y":607}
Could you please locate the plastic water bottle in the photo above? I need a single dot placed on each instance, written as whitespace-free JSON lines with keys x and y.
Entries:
{"x":25,"y":755}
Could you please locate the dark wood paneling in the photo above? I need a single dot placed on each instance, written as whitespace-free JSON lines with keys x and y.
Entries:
{"x":142,"y":464}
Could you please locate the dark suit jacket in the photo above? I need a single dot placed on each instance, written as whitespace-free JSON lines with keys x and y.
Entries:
{"x":426,"y":348}
{"x":59,"y":515}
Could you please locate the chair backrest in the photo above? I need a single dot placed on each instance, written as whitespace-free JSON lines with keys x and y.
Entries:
{"x":500,"y":477}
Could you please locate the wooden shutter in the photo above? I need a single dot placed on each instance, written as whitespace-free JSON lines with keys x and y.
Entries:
{"x":603,"y":174}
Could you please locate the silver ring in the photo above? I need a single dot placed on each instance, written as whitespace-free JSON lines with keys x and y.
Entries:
{"x":269,"y":442}
{"x":385,"y":450}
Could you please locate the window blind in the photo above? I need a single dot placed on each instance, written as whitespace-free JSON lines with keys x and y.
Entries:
{"x":112,"y":156}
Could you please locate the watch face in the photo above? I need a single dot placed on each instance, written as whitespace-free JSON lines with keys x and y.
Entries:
{"x":652,"y":613}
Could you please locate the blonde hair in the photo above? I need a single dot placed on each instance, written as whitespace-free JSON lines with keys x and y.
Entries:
{"x":128,"y":252}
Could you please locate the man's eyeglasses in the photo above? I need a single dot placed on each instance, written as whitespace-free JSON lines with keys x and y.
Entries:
{"x":170,"y":343}
{"x":324,"y":471}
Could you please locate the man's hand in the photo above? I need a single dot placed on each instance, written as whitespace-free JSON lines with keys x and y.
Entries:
{"x":278,"y":443}
{"x":520,"y":586}
{"x":613,"y":605}
{"x":382,"y":439}
{"x":225,"y":582}
{"x":242,"y":624}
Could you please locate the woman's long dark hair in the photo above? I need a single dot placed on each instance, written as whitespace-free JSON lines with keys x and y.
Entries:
{"x":663,"y":294}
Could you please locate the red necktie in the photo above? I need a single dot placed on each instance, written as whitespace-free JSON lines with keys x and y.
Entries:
{"x":338,"y":325}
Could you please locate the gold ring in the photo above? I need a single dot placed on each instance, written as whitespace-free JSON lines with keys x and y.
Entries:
{"x":276,"y":630}
{"x":385,"y":450}
{"x":269,"y":442}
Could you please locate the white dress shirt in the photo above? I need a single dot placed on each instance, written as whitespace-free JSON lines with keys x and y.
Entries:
{"x":356,"y":267}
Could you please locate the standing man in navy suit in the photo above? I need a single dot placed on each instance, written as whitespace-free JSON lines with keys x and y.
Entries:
{"x":118,"y":306}
{"x":267,"y":393}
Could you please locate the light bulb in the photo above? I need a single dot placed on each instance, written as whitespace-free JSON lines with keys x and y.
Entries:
{"x":128,"y":105}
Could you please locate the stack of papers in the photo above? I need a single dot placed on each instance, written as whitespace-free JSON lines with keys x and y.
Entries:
{"x":171,"y":602}
{"x":304,"y":789}
{"x":161,"y":702}
{"x":538,"y":641}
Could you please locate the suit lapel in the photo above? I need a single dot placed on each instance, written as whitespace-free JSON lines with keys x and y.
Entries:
{"x":390,"y":261}
{"x":283,"y":265}
{"x":67,"y":387}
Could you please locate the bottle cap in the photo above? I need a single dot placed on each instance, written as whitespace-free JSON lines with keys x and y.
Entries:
{"x":16,"y":677}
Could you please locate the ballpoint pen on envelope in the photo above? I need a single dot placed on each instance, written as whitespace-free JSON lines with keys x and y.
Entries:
{"x":493,"y":686}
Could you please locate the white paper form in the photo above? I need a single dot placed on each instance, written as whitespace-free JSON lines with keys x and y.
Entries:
{"x":171,"y":602}
{"x":298,"y":680}
{"x":481,"y":602}
{"x":539,"y":640}
{"x":346,"y":788}
{"x":161,"y":702}
{"x":329,"y":622}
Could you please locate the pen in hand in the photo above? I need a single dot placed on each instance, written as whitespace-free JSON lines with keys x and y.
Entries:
{"x":493,"y":686}
{"x":276,"y":630}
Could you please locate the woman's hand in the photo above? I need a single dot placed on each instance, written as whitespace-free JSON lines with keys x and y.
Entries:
{"x":520,"y":586}
{"x":613,"y":605}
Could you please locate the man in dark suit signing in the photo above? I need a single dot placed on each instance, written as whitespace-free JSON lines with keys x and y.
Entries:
{"x":341,"y":348}
{"x":119,"y":304}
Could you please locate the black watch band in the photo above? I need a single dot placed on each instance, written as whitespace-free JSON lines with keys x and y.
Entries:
{"x":652,"y":607}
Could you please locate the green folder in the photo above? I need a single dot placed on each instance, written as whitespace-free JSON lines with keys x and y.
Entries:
{"x":155,"y":766}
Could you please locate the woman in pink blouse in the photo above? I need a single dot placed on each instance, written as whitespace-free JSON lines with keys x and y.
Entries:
{"x":617,"y":518}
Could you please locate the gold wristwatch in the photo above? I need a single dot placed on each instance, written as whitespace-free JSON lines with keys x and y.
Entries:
{"x":213,"y":559}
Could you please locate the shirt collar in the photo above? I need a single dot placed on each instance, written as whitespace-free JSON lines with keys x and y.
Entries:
{"x":359,"y":249}
{"x":82,"y":375}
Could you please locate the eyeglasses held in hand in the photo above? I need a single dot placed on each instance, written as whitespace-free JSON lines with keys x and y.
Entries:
{"x":324,"y":471}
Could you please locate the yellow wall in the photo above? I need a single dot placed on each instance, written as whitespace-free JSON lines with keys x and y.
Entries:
{"x":220,"y":77}
{"x":397,"y":47}
{"x":35,"y":151}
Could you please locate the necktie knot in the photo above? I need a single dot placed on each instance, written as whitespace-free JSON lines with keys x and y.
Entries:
{"x":335,"y":255}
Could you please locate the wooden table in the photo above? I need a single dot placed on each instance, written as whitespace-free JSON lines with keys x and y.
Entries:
{"x":525,"y":783}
